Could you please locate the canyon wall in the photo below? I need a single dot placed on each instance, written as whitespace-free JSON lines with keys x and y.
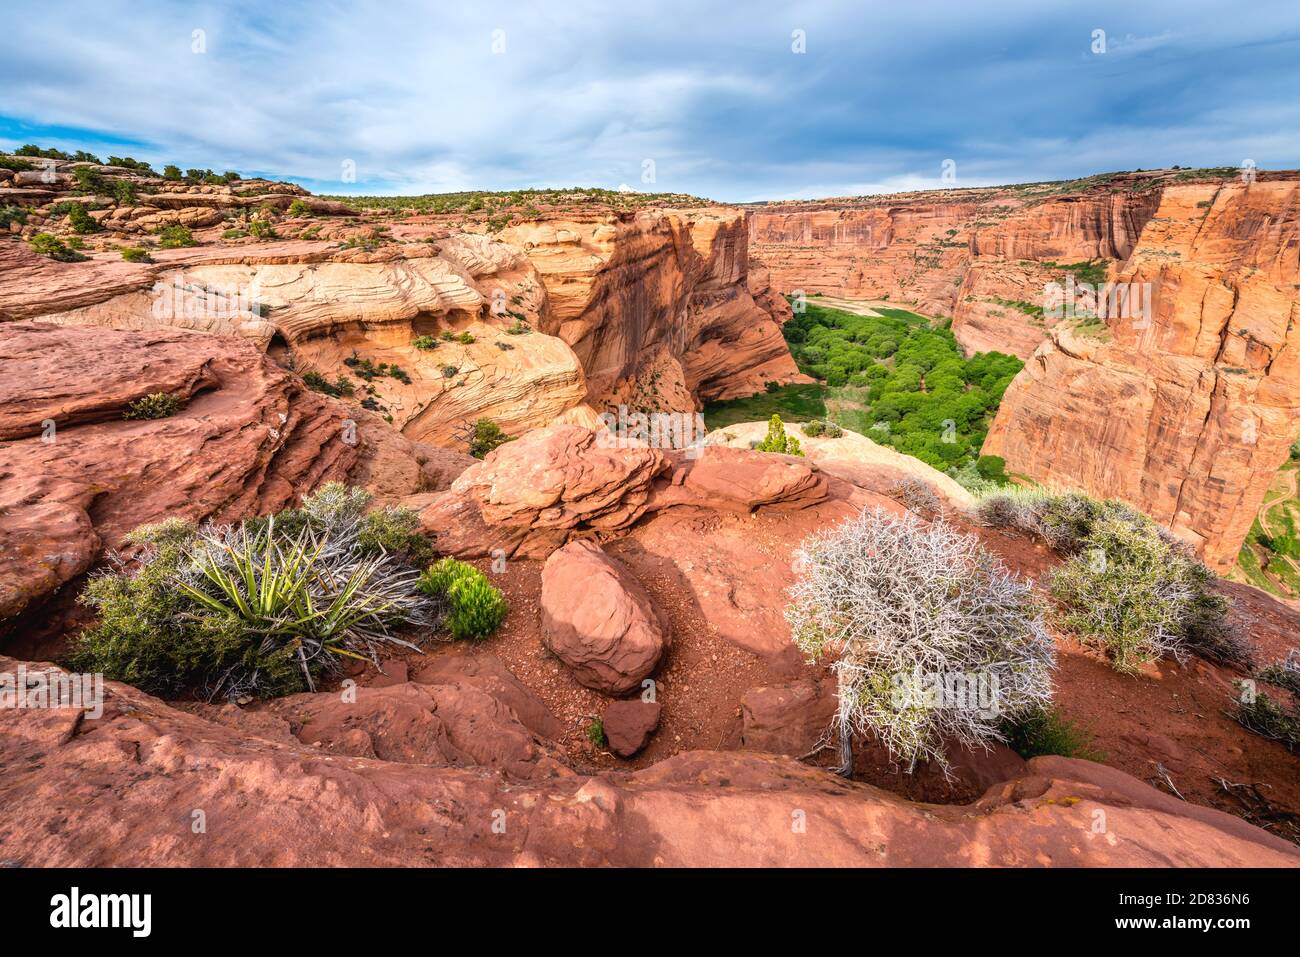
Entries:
{"x":562,"y":313}
{"x":1190,"y":414}
{"x":660,"y":306}
{"x":978,"y":256}
{"x":1187,"y":415}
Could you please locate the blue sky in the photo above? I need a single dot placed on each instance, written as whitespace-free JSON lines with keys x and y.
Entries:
{"x":416,"y":97}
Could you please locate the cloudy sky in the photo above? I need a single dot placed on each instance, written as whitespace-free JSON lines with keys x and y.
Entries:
{"x":436,"y":96}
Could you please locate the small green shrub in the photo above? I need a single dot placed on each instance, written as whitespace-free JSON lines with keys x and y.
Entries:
{"x":92,"y":181}
{"x":813,"y":428}
{"x":449,"y":372}
{"x":12,"y":214}
{"x":81,"y":221}
{"x":157,"y":405}
{"x":50,"y":245}
{"x":124,"y":192}
{"x":134,"y":254}
{"x":1047,"y":731}
{"x":175,"y":237}
{"x":400,"y":374}
{"x":1284,"y":674}
{"x":447,"y":335}
{"x":486,"y":436}
{"x":339,"y":388}
{"x":262,"y":229}
{"x":234,"y":233}
{"x":777,"y":440}
{"x":1126,"y":585}
{"x":475,"y":608}
{"x":1261,"y":714}
{"x":260,"y":609}
{"x":425,"y":343}
{"x":465,"y":338}
{"x":299,"y":208}
{"x":394,"y":530}
{"x":596,"y":733}
{"x":520,"y":328}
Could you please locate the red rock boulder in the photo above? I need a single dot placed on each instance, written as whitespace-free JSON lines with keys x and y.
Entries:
{"x":629,"y":724}
{"x":599,"y":620}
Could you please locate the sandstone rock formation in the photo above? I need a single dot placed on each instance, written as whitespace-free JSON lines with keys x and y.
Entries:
{"x":1187,"y":415}
{"x":598,"y":619}
{"x":654,"y":309}
{"x":106,"y":791}
{"x":531,"y":496}
{"x":75,"y":476}
{"x":791,"y":718}
{"x":660,"y":306}
{"x":975,"y":255}
{"x":629,"y":724}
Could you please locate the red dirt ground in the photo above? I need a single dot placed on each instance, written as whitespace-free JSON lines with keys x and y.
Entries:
{"x":1167,"y":725}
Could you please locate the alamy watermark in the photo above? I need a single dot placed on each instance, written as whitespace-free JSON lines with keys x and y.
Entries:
{"x":1111,"y":300}
{"x":656,"y":430}
{"x":47,"y":689}
{"x":975,"y":691}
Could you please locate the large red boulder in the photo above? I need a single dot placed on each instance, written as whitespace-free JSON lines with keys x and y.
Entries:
{"x":599,"y":620}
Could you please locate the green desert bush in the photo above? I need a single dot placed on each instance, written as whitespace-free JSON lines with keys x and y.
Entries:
{"x":394,"y":530}
{"x":258,"y":609}
{"x":262,"y":229}
{"x":1259,"y":713}
{"x":135,"y":254}
{"x":175,"y":237}
{"x":81,"y":221}
{"x":1046,"y":731}
{"x":777,"y":440}
{"x":596,"y":733}
{"x":156,"y":405}
{"x":474,"y":607}
{"x":299,"y":208}
{"x":934,"y":641}
{"x":485,"y":436}
{"x":425,"y":343}
{"x":341,"y":387}
{"x":814,"y":428}
{"x":47,"y":244}
{"x":1126,"y":585}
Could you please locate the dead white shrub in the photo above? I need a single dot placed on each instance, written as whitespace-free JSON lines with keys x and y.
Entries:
{"x":907,"y":607}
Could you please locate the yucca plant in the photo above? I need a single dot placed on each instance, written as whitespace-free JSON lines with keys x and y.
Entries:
{"x":301,"y":593}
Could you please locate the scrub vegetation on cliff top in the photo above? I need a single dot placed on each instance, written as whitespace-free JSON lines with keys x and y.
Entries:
{"x":526,"y":202}
{"x":273,"y":604}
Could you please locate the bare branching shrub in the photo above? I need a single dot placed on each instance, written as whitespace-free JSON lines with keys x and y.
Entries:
{"x":903,"y":606}
{"x":916,"y":496}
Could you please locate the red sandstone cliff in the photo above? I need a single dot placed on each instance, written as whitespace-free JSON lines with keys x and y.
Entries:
{"x":1188,"y":418}
{"x":1190,"y":415}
